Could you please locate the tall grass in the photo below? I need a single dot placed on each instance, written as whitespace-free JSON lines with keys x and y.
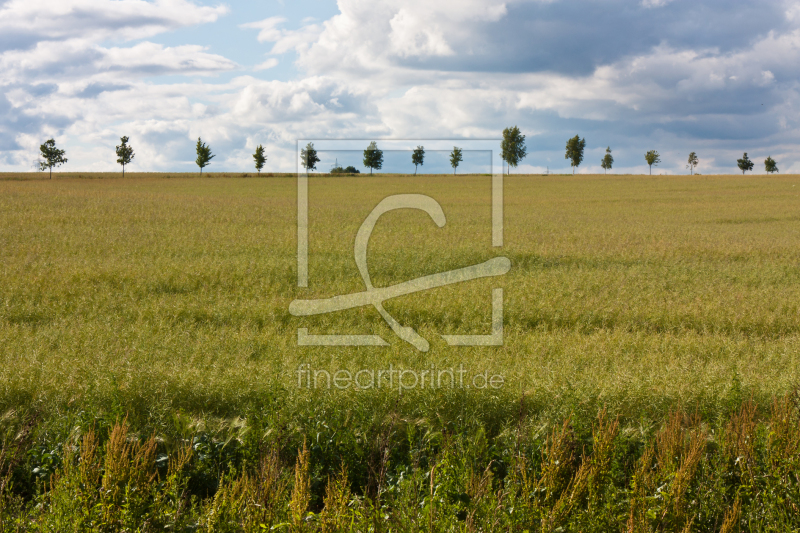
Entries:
{"x":144,"y":324}
{"x":739,"y":474}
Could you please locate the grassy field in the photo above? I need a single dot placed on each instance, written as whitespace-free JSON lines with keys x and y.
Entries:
{"x":162,"y":300}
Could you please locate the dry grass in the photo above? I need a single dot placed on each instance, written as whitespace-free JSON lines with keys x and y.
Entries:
{"x":639,"y":292}
{"x":666,"y":304}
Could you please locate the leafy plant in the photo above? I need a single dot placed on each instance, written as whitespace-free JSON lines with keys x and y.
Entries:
{"x":653,"y":158}
{"x":373,"y":157}
{"x":204,"y":155}
{"x":512,"y":147}
{"x":347,"y":170}
{"x":744,"y":163}
{"x":309,"y":157}
{"x":692,"y":162}
{"x":608,"y":161}
{"x":260,"y":158}
{"x":53,"y":157}
{"x":455,"y":158}
{"x":418,"y":157}
{"x":575,"y":148}
{"x":770,"y":165}
{"x":124,"y":153}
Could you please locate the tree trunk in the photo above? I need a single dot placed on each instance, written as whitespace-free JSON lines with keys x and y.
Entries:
{"x":51,"y":172}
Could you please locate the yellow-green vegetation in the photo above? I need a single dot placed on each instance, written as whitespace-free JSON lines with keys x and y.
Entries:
{"x":649,"y":363}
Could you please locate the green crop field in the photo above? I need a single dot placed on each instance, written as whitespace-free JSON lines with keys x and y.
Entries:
{"x":149,"y":362}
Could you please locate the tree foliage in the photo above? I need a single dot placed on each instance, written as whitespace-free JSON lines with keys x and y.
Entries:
{"x":513,"y":147}
{"x":418,"y":157}
{"x":693,"y":160}
{"x":309,"y":157}
{"x":745,"y":164}
{"x":53,"y":157}
{"x":770,"y":165}
{"x":373,"y":157}
{"x":347,"y":170}
{"x":204,"y":155}
{"x":124,"y":153}
{"x":260,"y":158}
{"x":608,"y":160}
{"x":456,"y":157}
{"x":575,"y":148}
{"x":653,"y":158}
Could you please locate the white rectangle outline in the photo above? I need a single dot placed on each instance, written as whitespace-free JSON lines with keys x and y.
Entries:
{"x":495,"y":338}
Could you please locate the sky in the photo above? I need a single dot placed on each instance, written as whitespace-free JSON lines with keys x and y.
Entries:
{"x":717,"y":77}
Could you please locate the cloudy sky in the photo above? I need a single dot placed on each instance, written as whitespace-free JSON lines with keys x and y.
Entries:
{"x":719,"y":77}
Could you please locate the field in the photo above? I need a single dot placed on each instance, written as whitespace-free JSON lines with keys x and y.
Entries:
{"x":650,"y":362}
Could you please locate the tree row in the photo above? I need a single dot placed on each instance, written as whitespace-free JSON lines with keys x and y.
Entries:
{"x":513,"y":151}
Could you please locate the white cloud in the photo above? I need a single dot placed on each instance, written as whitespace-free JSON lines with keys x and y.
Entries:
{"x":156,"y":59}
{"x":269,"y":63}
{"x":269,"y":31}
{"x":372,"y":34}
{"x":655,"y":3}
{"x":388,"y":68}
{"x":99,"y":19}
{"x":410,"y":36}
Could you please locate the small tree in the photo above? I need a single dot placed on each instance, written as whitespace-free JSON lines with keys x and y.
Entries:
{"x":308,"y":157}
{"x":652,"y":158}
{"x":575,"y":148}
{"x":373,"y":157}
{"x":204,"y":155}
{"x":513,"y":147}
{"x":455,"y":158}
{"x":607,"y":161}
{"x":745,"y":164}
{"x":418,"y":157}
{"x":124,"y":154}
{"x":53,"y":157}
{"x":692,"y":162}
{"x":770,"y":165}
{"x":259,"y":158}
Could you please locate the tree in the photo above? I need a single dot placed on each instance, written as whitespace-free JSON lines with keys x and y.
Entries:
{"x":607,"y":161}
{"x":575,"y":147}
{"x":373,"y":157}
{"x":124,"y":154}
{"x":513,"y":147}
{"x":52,"y":156}
{"x":308,"y":157}
{"x":418,"y":157}
{"x":259,"y":158}
{"x":348,"y":170}
{"x":745,"y":164}
{"x":204,"y":155}
{"x":652,"y":158}
{"x":455,"y":158}
{"x":692,"y":162}
{"x":770,"y":165}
